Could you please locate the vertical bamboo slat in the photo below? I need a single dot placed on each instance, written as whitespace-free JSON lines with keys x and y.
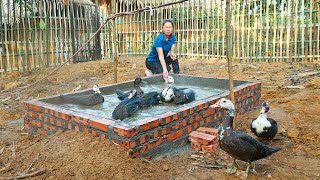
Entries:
{"x":311,"y":25}
{"x":273,"y":30}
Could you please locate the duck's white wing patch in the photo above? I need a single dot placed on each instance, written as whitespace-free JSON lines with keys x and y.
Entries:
{"x":260,"y":123}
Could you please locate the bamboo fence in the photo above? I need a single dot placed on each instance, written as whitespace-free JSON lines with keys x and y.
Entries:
{"x":43,"y":33}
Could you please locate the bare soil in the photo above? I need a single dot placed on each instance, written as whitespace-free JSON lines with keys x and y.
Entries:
{"x":72,"y":155}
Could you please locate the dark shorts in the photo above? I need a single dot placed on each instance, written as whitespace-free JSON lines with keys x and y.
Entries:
{"x":156,"y":68}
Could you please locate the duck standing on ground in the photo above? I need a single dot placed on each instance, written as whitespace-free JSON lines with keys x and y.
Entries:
{"x":127,"y":107}
{"x":264,"y":128}
{"x":237,"y":144}
{"x":87,"y":99}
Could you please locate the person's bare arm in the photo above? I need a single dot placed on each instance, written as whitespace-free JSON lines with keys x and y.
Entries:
{"x":172,"y":52}
{"x":163,"y":63}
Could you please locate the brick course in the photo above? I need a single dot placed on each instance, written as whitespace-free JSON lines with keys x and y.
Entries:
{"x":156,"y":134}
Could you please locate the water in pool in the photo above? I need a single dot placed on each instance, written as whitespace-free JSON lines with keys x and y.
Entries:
{"x":111,"y":101}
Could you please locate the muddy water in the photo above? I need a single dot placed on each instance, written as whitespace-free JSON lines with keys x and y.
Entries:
{"x":111,"y":101}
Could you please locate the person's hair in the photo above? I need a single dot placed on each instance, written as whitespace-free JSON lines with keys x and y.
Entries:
{"x":167,"y":20}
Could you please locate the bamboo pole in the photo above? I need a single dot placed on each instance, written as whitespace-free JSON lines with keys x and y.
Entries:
{"x":318,"y":36}
{"x":51,"y":34}
{"x":281,"y":31}
{"x":47,"y":31}
{"x":288,"y":27}
{"x":229,"y":51}
{"x":248,"y":54}
{"x":310,"y":29}
{"x":30,"y":45}
{"x":255,"y":27}
{"x":26,"y":37}
{"x":2,"y":61}
{"x":242,"y":30}
{"x":303,"y":50}
{"x":59,"y":34}
{"x":237,"y":29}
{"x":260,"y":31}
{"x":115,"y":52}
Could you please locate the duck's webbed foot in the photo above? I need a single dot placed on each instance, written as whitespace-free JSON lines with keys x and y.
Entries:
{"x":253,"y":170}
{"x":233,"y":168}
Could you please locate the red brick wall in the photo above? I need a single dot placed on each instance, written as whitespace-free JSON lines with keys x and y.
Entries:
{"x":147,"y":137}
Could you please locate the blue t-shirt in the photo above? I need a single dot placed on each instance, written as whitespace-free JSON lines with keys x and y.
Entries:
{"x":160,"y":41}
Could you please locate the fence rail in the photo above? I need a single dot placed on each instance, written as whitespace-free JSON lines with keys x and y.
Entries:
{"x":42,"y":33}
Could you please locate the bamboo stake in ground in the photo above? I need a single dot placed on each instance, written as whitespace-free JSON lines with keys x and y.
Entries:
{"x":229,"y":50}
{"x":115,"y":51}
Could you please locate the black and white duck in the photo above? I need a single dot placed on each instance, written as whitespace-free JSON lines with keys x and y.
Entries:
{"x":127,"y":107}
{"x":176,"y":95}
{"x":237,"y":144}
{"x":87,"y":99}
{"x":168,"y":92}
{"x":263,"y":127}
{"x":136,"y":83}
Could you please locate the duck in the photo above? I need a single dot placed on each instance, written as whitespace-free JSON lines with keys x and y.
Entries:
{"x":150,"y":99}
{"x":87,"y":99}
{"x":264,"y":128}
{"x":239,"y":145}
{"x":136,"y":83}
{"x":183,"y":96}
{"x":168,"y":92}
{"x":127,"y":107}
{"x":147,"y":99}
{"x":177,"y":95}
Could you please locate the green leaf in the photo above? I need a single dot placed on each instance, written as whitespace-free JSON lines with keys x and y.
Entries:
{"x":42,"y":25}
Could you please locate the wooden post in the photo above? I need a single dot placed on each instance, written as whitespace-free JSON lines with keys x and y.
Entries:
{"x":72,"y":22}
{"x":115,"y":52}
{"x":229,"y":50}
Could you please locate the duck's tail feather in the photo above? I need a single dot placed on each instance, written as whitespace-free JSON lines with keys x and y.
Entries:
{"x":274,"y":149}
{"x":120,"y":94}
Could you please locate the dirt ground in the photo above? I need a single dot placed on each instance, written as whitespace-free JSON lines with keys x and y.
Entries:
{"x":72,"y":155}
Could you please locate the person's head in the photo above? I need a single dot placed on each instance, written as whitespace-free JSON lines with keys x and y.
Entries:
{"x":167,"y":27}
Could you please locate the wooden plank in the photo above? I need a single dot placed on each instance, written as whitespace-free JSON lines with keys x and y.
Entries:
{"x":307,"y":74}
